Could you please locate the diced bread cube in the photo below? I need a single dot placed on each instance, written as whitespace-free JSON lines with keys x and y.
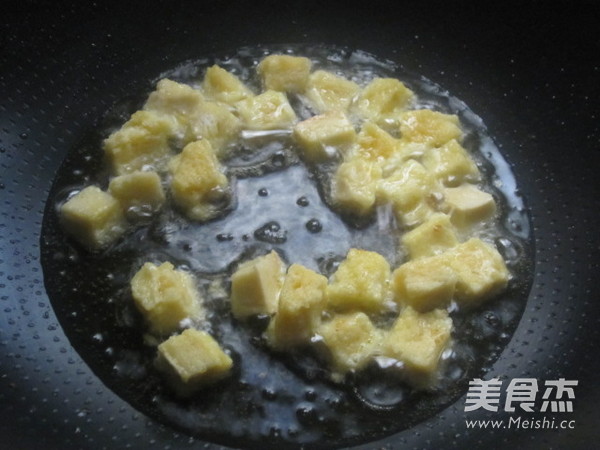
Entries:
{"x":267,"y":111}
{"x":404,"y":151}
{"x":139,"y":193}
{"x":93,"y":217}
{"x":322,"y":136}
{"x":432,"y":237}
{"x":327,"y":91}
{"x":191,"y":360}
{"x":430,"y":127}
{"x":165,"y":296}
{"x":480,"y":269}
{"x":255,"y":286}
{"x":352,"y":340}
{"x":142,"y":141}
{"x":171,"y":97}
{"x":383,"y":99}
{"x":215,"y":123}
{"x":468,"y":205}
{"x":197,"y":118}
{"x":198,"y":184}
{"x":451,"y":164}
{"x":361,"y":282}
{"x":413,"y":216}
{"x":408,"y":185}
{"x":176,"y":100}
{"x":418,"y":340}
{"x":222,"y":86}
{"x":410,"y":190}
{"x":375,"y":144}
{"x":301,"y":302}
{"x":425,"y":283}
{"x":284,"y":72}
{"x":354,"y":186}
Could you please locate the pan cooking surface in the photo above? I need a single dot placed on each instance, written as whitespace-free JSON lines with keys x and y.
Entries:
{"x":268,"y":399}
{"x":530,"y":70}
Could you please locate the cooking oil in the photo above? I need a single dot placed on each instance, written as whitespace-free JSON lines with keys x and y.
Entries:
{"x":280,"y":203}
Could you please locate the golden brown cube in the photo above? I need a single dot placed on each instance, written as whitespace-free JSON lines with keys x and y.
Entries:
{"x":383,"y":99}
{"x":174,"y":99}
{"x":93,"y":217}
{"x":327,"y":91}
{"x":418,"y":340}
{"x":222,"y":86}
{"x":267,"y":111}
{"x":375,"y":144}
{"x":198,"y":184}
{"x":480,"y":270}
{"x":255,"y":286}
{"x":361,"y":282}
{"x":213,"y":122}
{"x":451,"y":164}
{"x":410,"y":190}
{"x":432,"y":237}
{"x":322,"y":136}
{"x":284,"y":72}
{"x":424,"y":284}
{"x":301,"y":302}
{"x":352,"y":340}
{"x":191,"y":360}
{"x":354,"y":186}
{"x":165,"y":296}
{"x":468,"y":205}
{"x":196,"y":117}
{"x":139,"y":193}
{"x":143,"y":141}
{"x":430,"y":127}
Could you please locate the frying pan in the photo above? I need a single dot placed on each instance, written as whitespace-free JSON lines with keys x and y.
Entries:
{"x":531,"y":71}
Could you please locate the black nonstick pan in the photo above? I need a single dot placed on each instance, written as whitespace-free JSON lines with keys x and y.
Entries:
{"x":530,"y":70}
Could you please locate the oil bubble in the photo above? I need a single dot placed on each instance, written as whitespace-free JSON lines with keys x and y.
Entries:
{"x":272,"y":233}
{"x":314,"y":226}
{"x":303,"y":202}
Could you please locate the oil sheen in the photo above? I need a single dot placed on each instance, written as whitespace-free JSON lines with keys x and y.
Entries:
{"x":271,"y":400}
